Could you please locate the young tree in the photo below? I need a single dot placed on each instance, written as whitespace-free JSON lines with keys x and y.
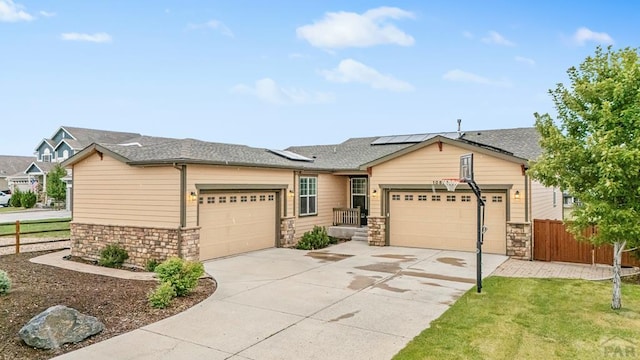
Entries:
{"x":56,"y":188}
{"x":594,"y":151}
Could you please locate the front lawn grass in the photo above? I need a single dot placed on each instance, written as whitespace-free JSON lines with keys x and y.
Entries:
{"x":534,"y":319}
{"x":53,"y":229}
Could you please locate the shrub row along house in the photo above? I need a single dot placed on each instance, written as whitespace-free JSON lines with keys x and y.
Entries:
{"x":160,"y":197}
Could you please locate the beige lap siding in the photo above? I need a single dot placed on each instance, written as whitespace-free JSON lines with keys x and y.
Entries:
{"x":109,"y":192}
{"x":424,"y":165}
{"x":544,"y":207}
{"x":332,"y":193}
{"x":214,"y":174}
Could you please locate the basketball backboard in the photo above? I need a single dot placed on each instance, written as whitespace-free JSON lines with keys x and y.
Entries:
{"x":466,"y":167}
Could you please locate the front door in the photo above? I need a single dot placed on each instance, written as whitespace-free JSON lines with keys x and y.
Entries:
{"x":359,"y":197}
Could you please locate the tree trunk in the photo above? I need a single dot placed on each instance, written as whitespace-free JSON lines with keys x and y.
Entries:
{"x":616,"y":300}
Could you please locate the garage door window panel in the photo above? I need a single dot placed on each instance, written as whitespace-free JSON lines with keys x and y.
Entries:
{"x":308,"y":195}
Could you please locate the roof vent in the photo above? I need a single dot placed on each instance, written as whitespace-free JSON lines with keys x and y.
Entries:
{"x":131,"y":144}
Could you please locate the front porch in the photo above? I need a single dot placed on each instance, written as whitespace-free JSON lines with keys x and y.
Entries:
{"x":347,"y":224}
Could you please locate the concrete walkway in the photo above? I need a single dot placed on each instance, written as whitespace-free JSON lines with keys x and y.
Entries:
{"x":350,"y":301}
{"x":542,"y":269}
{"x":56,"y":259}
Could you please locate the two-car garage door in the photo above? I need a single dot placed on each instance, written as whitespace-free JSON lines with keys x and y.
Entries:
{"x":446,"y":220}
{"x":236,"y":222}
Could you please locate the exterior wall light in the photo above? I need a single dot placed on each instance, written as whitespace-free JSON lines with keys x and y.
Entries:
{"x":193,"y":196}
{"x":375,"y":193}
{"x":517,"y":195}
{"x":291,"y":193}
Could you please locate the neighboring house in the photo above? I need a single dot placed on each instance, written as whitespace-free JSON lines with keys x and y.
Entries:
{"x":12,"y":165}
{"x":199,"y":200}
{"x":65,"y":142}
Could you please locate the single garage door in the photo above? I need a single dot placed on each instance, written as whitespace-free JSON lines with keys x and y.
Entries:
{"x":446,"y":220}
{"x":233,"y":223}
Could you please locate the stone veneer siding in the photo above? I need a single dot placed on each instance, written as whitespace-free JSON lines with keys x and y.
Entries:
{"x":377,"y":230}
{"x":519,"y":240}
{"x":142,"y":243}
{"x":287,"y":232}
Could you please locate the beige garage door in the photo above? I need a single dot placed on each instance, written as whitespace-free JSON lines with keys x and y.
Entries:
{"x":446,"y":220}
{"x":233,"y":223}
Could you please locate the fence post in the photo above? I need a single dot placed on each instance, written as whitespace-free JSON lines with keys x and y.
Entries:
{"x":17,"y":236}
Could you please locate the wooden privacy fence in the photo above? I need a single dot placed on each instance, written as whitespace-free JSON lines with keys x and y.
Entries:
{"x":346,"y":216}
{"x":552,"y":242}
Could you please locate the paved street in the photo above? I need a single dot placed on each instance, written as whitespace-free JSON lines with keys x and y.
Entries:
{"x":36,"y":214}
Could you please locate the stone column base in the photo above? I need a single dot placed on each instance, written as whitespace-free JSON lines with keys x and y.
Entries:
{"x":519,"y":240}
{"x":288,"y":232}
{"x":376,"y":234}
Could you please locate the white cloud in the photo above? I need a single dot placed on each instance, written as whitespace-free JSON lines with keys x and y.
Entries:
{"x":494,"y":37}
{"x":97,"y":37}
{"x":584,"y":35}
{"x":349,"y":29}
{"x":47,"y":14}
{"x":350,"y":70}
{"x":12,"y":12}
{"x":267,"y":90}
{"x":525,"y":60}
{"x":215,"y":25}
{"x":458,"y":75}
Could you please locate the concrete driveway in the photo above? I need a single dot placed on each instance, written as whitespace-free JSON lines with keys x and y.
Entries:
{"x":350,"y":301}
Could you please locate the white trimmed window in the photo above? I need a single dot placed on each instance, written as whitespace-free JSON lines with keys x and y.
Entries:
{"x":308,"y":195}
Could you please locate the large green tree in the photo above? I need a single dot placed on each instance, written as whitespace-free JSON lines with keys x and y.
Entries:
{"x":593,"y":150}
{"x":56,"y":188}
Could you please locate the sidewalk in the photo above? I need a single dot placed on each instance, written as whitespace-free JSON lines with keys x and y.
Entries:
{"x":542,"y":269}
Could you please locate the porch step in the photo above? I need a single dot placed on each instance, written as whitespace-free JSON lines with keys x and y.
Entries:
{"x":361,"y":234}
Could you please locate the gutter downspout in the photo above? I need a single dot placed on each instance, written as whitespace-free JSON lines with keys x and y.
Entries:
{"x":183,"y":204}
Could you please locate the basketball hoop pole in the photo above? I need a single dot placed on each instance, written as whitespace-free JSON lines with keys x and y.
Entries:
{"x":466,"y":175}
{"x":476,"y":190}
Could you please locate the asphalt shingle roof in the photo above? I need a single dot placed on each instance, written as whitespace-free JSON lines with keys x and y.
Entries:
{"x":522,"y":142}
{"x":12,"y":165}
{"x":85,"y":137}
{"x":348,"y":155}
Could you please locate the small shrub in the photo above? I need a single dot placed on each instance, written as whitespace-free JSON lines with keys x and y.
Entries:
{"x":151,"y":265}
{"x":5,"y":283}
{"x":113,"y":256}
{"x":28,"y":199}
{"x":315,"y":239}
{"x":16,"y":198}
{"x":182,"y":275}
{"x":161,"y":297}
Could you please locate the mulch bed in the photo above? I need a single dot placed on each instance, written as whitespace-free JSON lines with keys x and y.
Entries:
{"x":121,"y":305}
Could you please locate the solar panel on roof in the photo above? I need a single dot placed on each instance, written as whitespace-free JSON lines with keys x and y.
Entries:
{"x":410,"y":139}
{"x":290,"y":155}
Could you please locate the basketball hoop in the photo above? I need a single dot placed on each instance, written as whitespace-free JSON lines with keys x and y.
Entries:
{"x":450,"y":183}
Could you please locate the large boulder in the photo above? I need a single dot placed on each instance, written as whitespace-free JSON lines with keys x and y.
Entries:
{"x":59,"y":325}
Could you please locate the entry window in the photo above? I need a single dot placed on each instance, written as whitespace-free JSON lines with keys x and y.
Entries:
{"x":233,"y":199}
{"x":465,"y":198}
{"x":243,"y":198}
{"x":496,"y":199}
{"x":358,"y":186}
{"x":408,"y":198}
{"x":422,"y":197}
{"x":435,"y":197}
{"x":263,"y":198}
{"x":211,"y":199}
{"x":308,"y":195}
{"x":253,"y":198}
{"x":395,"y":197}
{"x":451,"y":198}
{"x":222,"y":199}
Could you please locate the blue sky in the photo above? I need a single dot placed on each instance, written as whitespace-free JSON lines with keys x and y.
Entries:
{"x":279,"y":73}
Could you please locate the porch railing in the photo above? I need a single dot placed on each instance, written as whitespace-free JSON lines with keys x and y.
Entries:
{"x":346,"y":216}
